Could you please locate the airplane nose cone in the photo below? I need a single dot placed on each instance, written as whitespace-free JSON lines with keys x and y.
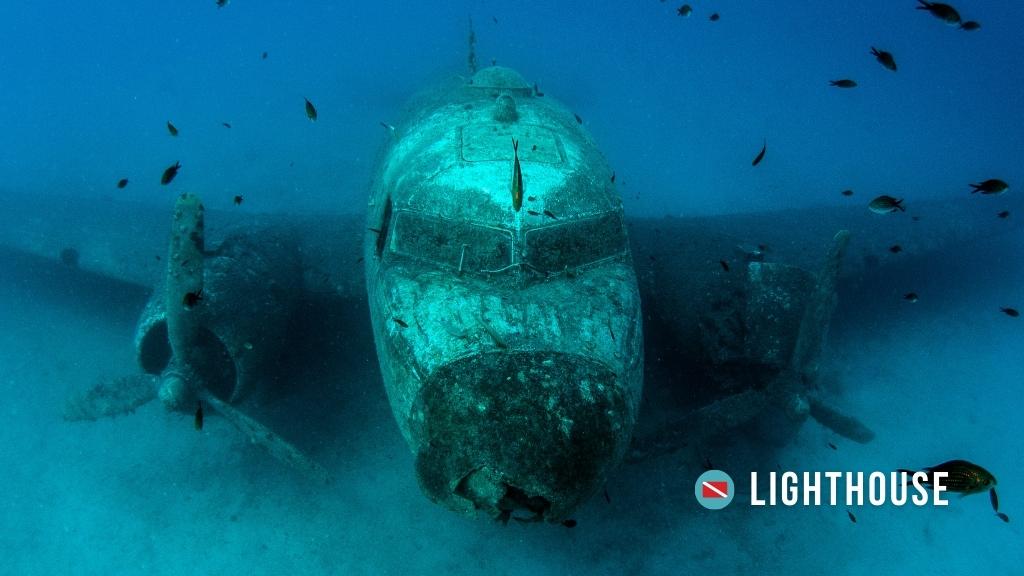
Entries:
{"x":527,"y":435}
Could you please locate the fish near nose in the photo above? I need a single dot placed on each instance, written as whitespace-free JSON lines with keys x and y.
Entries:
{"x":529,"y":435}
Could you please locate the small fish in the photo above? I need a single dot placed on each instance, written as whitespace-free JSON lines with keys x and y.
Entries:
{"x":706,"y":463}
{"x":1011,"y":312}
{"x":884,"y":58}
{"x":724,"y":265}
{"x":962,"y":476}
{"x":359,"y":260}
{"x":199,"y":415}
{"x":844,"y":83}
{"x":915,"y":218}
{"x":122,"y":182}
{"x":994,"y":499}
{"x":852,"y":517}
{"x":943,"y":12}
{"x":225,"y":124}
{"x":613,"y":177}
{"x":310,"y":110}
{"x":222,"y":3}
{"x":847,"y":192}
{"x":685,"y":10}
{"x":895,"y":249}
{"x":971,"y":26}
{"x":570,"y":523}
{"x":400,"y":322}
{"x":263,"y":56}
{"x":991,"y":186}
{"x":172,"y":129}
{"x":388,"y":126}
{"x":607,"y":498}
{"x":517,"y":178}
{"x":910,"y":297}
{"x":832,"y":446}
{"x":714,"y":17}
{"x":157,"y":256}
{"x":531,"y":198}
{"x":170,"y":173}
{"x":536,"y":91}
{"x":533,"y":213}
{"x":238,"y":199}
{"x":760,"y":155}
{"x":495,"y":18}
{"x":70,"y":257}
{"x":550,"y":214}
{"x":533,"y":148}
{"x":886,"y":204}
{"x":578,"y":119}
{"x":1004,"y":214}
{"x":1003,"y":517}
{"x":192,"y":298}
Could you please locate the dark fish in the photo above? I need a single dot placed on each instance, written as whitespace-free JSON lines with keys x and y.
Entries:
{"x":263,"y":56}
{"x":844,"y":83}
{"x":531,"y":198}
{"x":886,"y":204}
{"x":122,"y":182}
{"x":359,"y":260}
{"x":847,"y":192}
{"x":199,"y":416}
{"x":724,"y":265}
{"x":884,"y":58}
{"x":1003,"y":517}
{"x":943,"y":12}
{"x":760,"y":155}
{"x":852,"y":517}
{"x":388,"y":126}
{"x":517,"y":178}
{"x":613,"y":177}
{"x":1011,"y":312}
{"x":69,"y":257}
{"x":536,"y":91}
{"x":238,"y":200}
{"x":685,"y":10}
{"x":915,"y":218}
{"x":191,"y":299}
{"x":607,"y":498}
{"x":991,"y":186}
{"x":578,"y":119}
{"x":895,"y":249}
{"x":533,"y":213}
{"x":533,"y":148}
{"x":550,"y":214}
{"x":170,"y":173}
{"x":570,"y":523}
{"x":714,"y":17}
{"x":706,"y":463}
{"x":962,"y":476}
{"x":832,"y":446}
{"x":970,"y":26}
{"x":225,"y":124}
{"x":157,"y":256}
{"x":1004,"y":214}
{"x":172,"y":129}
{"x":222,"y":3}
{"x":495,"y":18}
{"x":994,"y":499}
{"x":400,"y":322}
{"x":910,"y":297}
{"x":310,"y":110}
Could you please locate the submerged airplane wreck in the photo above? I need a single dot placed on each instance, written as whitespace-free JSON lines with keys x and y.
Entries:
{"x":510,"y":319}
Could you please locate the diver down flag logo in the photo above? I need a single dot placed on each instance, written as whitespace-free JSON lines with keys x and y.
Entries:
{"x":712,"y":489}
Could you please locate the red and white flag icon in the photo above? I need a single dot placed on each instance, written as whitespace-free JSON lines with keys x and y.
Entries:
{"x":714,"y":489}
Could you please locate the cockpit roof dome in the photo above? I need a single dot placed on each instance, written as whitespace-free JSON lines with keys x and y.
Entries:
{"x":499,"y":77}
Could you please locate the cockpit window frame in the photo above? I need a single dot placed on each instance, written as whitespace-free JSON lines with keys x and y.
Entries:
{"x":457,"y":264}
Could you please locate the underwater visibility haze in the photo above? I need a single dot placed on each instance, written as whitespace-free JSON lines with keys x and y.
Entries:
{"x":543,"y":288}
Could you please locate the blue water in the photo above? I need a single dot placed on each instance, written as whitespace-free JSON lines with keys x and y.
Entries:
{"x":680,"y":106}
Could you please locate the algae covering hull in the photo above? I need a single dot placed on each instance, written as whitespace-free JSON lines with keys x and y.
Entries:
{"x":510,"y":340}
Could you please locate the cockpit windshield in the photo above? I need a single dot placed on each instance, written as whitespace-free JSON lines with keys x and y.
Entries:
{"x":460,"y":245}
{"x":575,"y":243}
